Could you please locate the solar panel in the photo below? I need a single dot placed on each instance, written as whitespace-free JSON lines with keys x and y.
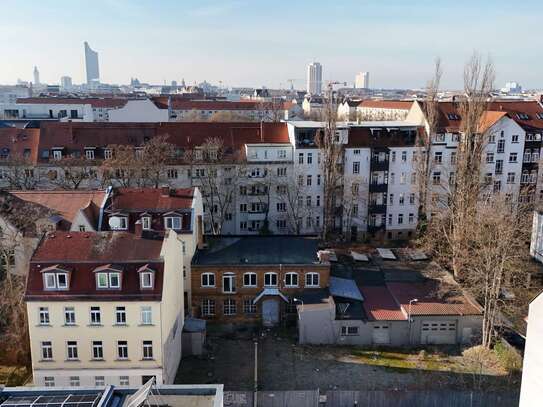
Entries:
{"x":386,"y":254}
{"x":65,"y":400}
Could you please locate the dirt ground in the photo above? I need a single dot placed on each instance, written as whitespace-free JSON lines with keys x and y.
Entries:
{"x":284,"y":365}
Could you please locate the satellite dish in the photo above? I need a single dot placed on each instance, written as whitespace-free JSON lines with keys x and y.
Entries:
{"x":114,"y":222}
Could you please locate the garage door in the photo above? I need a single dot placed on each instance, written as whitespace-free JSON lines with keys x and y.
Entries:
{"x":381,"y":334}
{"x":438,"y":333}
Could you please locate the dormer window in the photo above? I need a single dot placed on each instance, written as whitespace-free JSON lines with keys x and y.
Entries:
{"x":55,"y":278}
{"x":108,"y":277}
{"x":57,"y":154}
{"x":146,"y":223}
{"x":89,"y":153}
{"x":108,"y":154}
{"x":172,"y":222}
{"x":147,"y":277}
{"x":118,"y":222}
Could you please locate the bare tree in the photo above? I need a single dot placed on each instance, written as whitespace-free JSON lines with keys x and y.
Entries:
{"x":20,"y":172}
{"x":424,"y":143}
{"x":217,"y":179}
{"x":331,"y":158}
{"x":156,"y":153}
{"x":73,"y":172}
{"x":292,"y":196}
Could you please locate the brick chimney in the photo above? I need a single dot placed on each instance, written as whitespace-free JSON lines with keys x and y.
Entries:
{"x":138,"y":229}
{"x":200,"y":232}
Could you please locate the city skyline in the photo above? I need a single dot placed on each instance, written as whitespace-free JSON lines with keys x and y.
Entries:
{"x":373,"y":37}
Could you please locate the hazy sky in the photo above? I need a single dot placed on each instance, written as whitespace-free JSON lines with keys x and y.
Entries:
{"x":254,"y":42}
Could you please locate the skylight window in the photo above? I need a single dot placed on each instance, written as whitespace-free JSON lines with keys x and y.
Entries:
{"x":453,"y":116}
{"x":523,"y":116}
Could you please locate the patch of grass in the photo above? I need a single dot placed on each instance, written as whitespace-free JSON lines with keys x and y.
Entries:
{"x":510,"y":360}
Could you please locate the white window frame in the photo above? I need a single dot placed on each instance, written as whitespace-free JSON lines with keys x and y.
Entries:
{"x":72,"y":352}
{"x":122,"y":350}
{"x":46,"y":350}
{"x":75,"y":381}
{"x":97,"y":311}
{"x":147,"y":350}
{"x":49,"y":381}
{"x":291,"y":275}
{"x":43,"y":316}
{"x":229,"y":307}
{"x":146,"y":222}
{"x":120,"y":315}
{"x":99,"y":381}
{"x":146,"y":315}
{"x":232,"y":278}
{"x":71,"y":320}
{"x":97,"y":350}
{"x":270,"y":276}
{"x":250,"y":275}
{"x":207,"y":285}
{"x":309,"y":279}
{"x":143,"y":283}
{"x":171,"y":220}
{"x":208,"y":307}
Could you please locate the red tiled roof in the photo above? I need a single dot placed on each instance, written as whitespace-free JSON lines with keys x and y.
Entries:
{"x":16,"y":141}
{"x":428,"y":302}
{"x":531,"y":108}
{"x":94,"y":102}
{"x":141,"y":199}
{"x":82,"y":253}
{"x":387,"y":104}
{"x":380,"y":305}
{"x":66,"y":203}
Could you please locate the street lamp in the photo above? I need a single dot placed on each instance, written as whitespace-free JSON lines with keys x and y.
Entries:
{"x":409,"y":316}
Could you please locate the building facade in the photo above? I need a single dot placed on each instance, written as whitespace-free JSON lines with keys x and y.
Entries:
{"x":314,"y":78}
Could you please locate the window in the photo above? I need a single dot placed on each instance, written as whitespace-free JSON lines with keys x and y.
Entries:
{"x":308,"y":201}
{"x":172,"y":173}
{"x":497,"y":186}
{"x":208,"y":280}
{"x":403,"y":178}
{"x":412,"y":199}
{"x":57,"y":154}
{"x":439,"y":138}
{"x":124,"y":381}
{"x":513,"y":157}
{"x":411,"y":218}
{"x":243,"y":225}
{"x":281,"y":172}
{"x":281,"y":223}
{"x":514,"y":138}
{"x":146,"y":279}
{"x":44,"y":316}
{"x":69,"y":316}
{"x":312,"y":280}
{"x":108,"y":280}
{"x":400,"y":218}
{"x":404,"y":156}
{"x":82,"y":228}
{"x":281,"y":207}
{"x":49,"y":381}
{"x":97,"y":350}
{"x":147,"y":350}
{"x":310,"y":158}
{"x":146,"y":315}
{"x":356,"y":167}
{"x":173,"y":222}
{"x":270,"y":280}
{"x":300,"y":158}
{"x":120,"y":315}
{"x":74,"y":381}
{"x":281,"y":153}
{"x":229,"y":283}
{"x":436,"y":178}
{"x":89,"y":154}
{"x":438,"y":157}
{"x":229,"y":307}
{"x":249,"y":307}
{"x":249,"y":280}
{"x":453,"y":157}
{"x":401,"y":199}
{"x":47,"y":350}
{"x":499,"y":167}
{"x":390,"y":219}
{"x":391,"y":199}
{"x":489,"y":158}
{"x":349,"y":330}
{"x":318,"y":179}
{"x":393,"y":156}
{"x":95,"y":316}
{"x":208,"y":307}
{"x":55,"y":281}
{"x":99,"y":381}
{"x":501,"y":146}
{"x":356,"y":152}
{"x":122,"y":349}
{"x":309,"y":180}
{"x":243,"y":207}
{"x":291,"y":280}
{"x":318,"y":202}
{"x":300,"y":180}
{"x":510,"y":177}
{"x":71,"y":348}
{"x":523,"y":116}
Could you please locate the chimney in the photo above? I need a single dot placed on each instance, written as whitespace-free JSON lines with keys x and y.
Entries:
{"x":165,"y":190}
{"x":200,"y":232}
{"x":138,"y":229}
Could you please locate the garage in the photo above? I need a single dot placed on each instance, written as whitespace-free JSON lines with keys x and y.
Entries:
{"x":438,"y":332}
{"x":381,"y":334}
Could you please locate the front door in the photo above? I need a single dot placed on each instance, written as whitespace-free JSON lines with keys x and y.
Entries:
{"x":270,"y":312}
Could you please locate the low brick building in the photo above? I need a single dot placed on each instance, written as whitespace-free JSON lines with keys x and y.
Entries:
{"x":255,"y":278}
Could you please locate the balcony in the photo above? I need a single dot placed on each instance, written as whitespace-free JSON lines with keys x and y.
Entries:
{"x":379,"y":186}
{"x":378,"y":165}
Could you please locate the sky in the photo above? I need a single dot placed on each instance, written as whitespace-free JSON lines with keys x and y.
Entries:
{"x":266,"y":43}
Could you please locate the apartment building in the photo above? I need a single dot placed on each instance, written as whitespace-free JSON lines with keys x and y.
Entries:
{"x":154,"y":211}
{"x":105,"y":308}
{"x":235,"y":281}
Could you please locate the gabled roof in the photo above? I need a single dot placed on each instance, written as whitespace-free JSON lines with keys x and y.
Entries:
{"x":531,"y":108}
{"x":67,"y":203}
{"x":380,"y":305}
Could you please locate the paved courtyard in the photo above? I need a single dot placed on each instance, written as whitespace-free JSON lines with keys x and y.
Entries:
{"x":284,"y":365}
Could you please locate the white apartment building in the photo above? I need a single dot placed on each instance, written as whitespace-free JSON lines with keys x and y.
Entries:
{"x":105,"y":307}
{"x":362,"y":80}
{"x":10,"y":93}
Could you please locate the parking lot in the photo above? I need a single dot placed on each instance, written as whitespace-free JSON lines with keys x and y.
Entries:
{"x":284,"y":365}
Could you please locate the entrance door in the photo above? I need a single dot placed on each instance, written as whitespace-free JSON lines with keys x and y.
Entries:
{"x":354,"y":233}
{"x":270,"y":312}
{"x":438,"y":333}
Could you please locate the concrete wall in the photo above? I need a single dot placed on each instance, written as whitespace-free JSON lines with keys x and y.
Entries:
{"x":139,"y":111}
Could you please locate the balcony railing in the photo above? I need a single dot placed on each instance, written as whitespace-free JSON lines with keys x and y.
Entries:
{"x":377,"y":208}
{"x":379,"y":186}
